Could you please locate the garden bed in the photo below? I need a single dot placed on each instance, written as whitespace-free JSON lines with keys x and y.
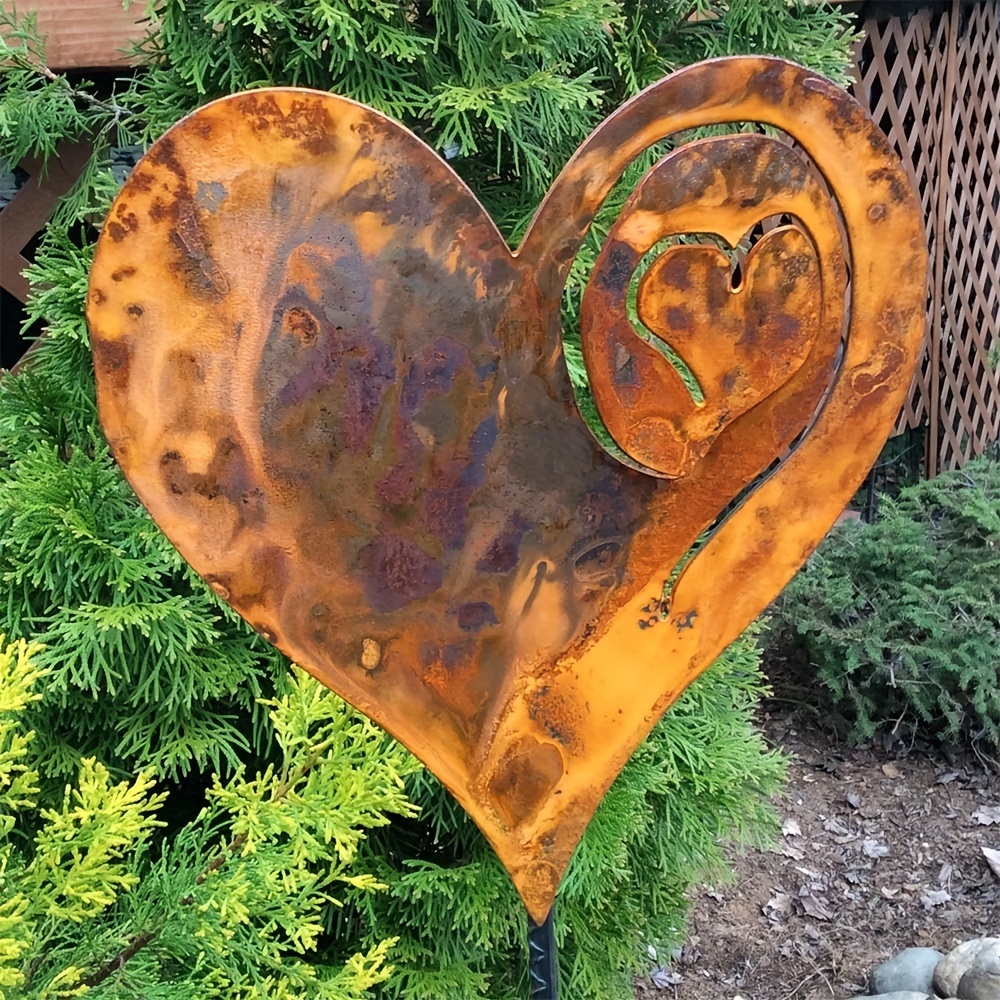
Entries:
{"x":881,"y":850}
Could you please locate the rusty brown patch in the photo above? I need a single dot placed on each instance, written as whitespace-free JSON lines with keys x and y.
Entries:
{"x":112,"y":360}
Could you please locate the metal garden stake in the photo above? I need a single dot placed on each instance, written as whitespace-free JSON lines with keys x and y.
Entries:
{"x":343,"y":398}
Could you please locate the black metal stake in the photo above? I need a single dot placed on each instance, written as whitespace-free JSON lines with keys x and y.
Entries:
{"x":543,"y":959}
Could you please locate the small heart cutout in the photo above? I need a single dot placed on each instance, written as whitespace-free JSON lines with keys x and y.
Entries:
{"x":741,"y":343}
{"x":343,"y":398}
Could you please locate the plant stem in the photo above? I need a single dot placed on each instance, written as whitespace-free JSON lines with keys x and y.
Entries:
{"x":132,"y":948}
{"x":82,"y":95}
{"x":77,"y":94}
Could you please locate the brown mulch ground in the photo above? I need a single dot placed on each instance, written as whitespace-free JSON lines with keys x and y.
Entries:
{"x":881,"y":850}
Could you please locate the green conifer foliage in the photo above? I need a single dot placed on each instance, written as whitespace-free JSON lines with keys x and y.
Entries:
{"x":901,"y":618}
{"x":230,"y":906}
{"x":145,"y":672}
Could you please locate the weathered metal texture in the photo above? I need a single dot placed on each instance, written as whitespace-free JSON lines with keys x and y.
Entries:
{"x":344,"y":399}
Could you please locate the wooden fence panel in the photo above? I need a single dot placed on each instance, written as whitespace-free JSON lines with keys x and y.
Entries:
{"x":899,"y":76}
{"x":28,"y":211}
{"x":969,"y":416}
{"x":91,"y":34}
{"x":932,"y":82}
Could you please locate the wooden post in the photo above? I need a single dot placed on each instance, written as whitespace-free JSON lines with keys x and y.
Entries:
{"x":940,"y":224}
{"x":28,"y":211}
{"x":95,"y":34}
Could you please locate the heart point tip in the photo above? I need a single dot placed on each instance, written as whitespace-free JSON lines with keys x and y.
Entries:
{"x":537,"y":884}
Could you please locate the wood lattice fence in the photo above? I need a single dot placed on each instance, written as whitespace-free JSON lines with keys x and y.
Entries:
{"x":932,"y":82}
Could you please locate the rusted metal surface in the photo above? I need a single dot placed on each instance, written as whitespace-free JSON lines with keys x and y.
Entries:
{"x":344,"y":399}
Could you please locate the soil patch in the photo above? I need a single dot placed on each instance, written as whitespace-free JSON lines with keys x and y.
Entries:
{"x":881,"y":849}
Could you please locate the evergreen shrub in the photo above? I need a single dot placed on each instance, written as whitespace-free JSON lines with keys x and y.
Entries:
{"x":146,"y":672}
{"x":902,"y":617}
{"x":95,"y":900}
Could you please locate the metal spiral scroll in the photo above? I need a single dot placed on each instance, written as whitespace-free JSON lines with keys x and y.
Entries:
{"x":343,"y":398}
{"x":744,"y":342}
{"x":770,"y":352}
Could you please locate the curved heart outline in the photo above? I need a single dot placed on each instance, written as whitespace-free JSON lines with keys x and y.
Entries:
{"x":528,"y":752}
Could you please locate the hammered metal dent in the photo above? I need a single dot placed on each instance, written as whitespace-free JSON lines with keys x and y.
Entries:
{"x":344,"y":400}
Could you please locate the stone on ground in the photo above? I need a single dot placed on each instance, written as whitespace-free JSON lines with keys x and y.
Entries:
{"x":982,"y":981}
{"x":897,"y":995}
{"x":911,"y":970}
{"x":960,"y":960}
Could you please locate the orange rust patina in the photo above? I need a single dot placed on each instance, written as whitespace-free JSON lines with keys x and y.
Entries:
{"x":343,"y":398}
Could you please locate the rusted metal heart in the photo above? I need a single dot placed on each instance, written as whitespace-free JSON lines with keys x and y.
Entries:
{"x":343,"y":399}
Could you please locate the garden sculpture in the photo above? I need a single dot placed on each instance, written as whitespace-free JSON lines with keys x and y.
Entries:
{"x":344,"y":399}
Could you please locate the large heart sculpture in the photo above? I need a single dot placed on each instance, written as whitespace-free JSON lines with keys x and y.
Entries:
{"x":343,"y":398}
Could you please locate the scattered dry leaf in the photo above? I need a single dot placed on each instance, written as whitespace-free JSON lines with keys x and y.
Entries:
{"x":890,"y":770}
{"x":873,"y":849}
{"x":791,"y":828}
{"x":987,"y":815}
{"x":992,"y":859}
{"x":664,"y":977}
{"x":815,"y":906}
{"x":778,"y":907}
{"x":934,"y":897}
